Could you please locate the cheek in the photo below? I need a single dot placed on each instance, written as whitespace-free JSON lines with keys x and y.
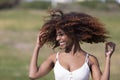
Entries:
{"x":69,"y":42}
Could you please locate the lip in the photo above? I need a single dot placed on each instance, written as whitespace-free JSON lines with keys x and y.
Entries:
{"x":62,"y":43}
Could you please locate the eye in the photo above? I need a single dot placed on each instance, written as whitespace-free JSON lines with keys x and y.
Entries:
{"x":60,"y":34}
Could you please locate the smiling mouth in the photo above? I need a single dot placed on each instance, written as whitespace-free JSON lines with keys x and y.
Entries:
{"x":62,"y":43}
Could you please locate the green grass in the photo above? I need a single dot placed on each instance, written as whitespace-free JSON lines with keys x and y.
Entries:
{"x":18,"y":31}
{"x":35,"y":5}
{"x":22,"y":19}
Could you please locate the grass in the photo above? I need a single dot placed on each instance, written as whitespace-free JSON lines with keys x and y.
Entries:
{"x":25,"y":20}
{"x":18,"y":30}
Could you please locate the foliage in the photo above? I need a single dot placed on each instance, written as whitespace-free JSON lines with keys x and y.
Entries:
{"x":36,"y":5}
{"x":97,"y":4}
{"x":8,"y":3}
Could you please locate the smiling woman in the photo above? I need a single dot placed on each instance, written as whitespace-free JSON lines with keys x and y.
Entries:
{"x":66,"y":30}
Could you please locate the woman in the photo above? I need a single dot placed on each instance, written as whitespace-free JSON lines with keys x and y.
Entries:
{"x":71,"y":62}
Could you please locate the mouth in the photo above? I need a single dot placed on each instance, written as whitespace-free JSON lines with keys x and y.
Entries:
{"x":62,"y":43}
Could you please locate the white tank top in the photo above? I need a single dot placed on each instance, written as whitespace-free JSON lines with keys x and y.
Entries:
{"x":81,"y":73}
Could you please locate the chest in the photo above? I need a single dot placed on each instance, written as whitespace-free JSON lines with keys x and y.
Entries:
{"x":71,"y":68}
{"x":71,"y":63}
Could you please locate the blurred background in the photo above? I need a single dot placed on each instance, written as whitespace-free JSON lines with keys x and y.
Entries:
{"x":20,"y":21}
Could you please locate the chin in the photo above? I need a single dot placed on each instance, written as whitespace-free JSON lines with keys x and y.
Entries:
{"x":62,"y":47}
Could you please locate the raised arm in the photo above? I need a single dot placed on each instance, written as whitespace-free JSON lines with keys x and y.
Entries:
{"x":46,"y":66}
{"x":95,"y":70}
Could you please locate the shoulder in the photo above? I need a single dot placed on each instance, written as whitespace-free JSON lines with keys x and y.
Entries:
{"x":52,"y":57}
{"x":93,"y":60}
{"x":94,"y":65}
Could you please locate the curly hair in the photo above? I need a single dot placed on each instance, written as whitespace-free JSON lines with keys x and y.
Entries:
{"x":82,"y":26}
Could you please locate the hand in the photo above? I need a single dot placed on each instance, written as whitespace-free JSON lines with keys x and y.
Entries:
{"x":109,"y":49}
{"x":41,"y":38}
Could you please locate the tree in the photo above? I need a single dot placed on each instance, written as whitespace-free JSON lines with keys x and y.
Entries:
{"x":8,"y":3}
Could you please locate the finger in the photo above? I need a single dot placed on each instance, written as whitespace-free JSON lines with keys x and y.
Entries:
{"x":106,"y":47}
{"x":112,"y":45}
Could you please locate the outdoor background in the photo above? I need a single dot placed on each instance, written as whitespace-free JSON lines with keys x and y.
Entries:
{"x":21,"y":20}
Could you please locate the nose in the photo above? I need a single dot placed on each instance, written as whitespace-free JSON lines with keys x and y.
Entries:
{"x":58,"y":38}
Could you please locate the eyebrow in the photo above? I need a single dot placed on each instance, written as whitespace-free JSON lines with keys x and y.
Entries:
{"x":59,"y":32}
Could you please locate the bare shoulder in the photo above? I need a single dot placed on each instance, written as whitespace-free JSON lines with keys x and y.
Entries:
{"x":93,"y":60}
{"x":52,"y":57}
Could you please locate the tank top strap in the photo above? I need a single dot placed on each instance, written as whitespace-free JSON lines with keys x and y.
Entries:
{"x":57,"y":55}
{"x":87,"y":58}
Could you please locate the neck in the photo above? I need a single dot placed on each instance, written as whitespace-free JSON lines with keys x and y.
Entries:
{"x":75,"y":47}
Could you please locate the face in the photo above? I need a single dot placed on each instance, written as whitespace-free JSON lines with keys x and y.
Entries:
{"x":64,"y":41}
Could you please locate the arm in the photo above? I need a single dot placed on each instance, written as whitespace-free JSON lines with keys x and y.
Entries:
{"x":96,"y":73}
{"x":45,"y":67}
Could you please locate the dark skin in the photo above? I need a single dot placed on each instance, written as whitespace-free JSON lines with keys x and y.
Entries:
{"x":71,"y":57}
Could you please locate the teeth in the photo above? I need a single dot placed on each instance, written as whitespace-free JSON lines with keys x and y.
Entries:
{"x":62,"y":43}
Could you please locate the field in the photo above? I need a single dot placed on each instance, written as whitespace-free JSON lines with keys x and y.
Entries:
{"x":18,"y":31}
